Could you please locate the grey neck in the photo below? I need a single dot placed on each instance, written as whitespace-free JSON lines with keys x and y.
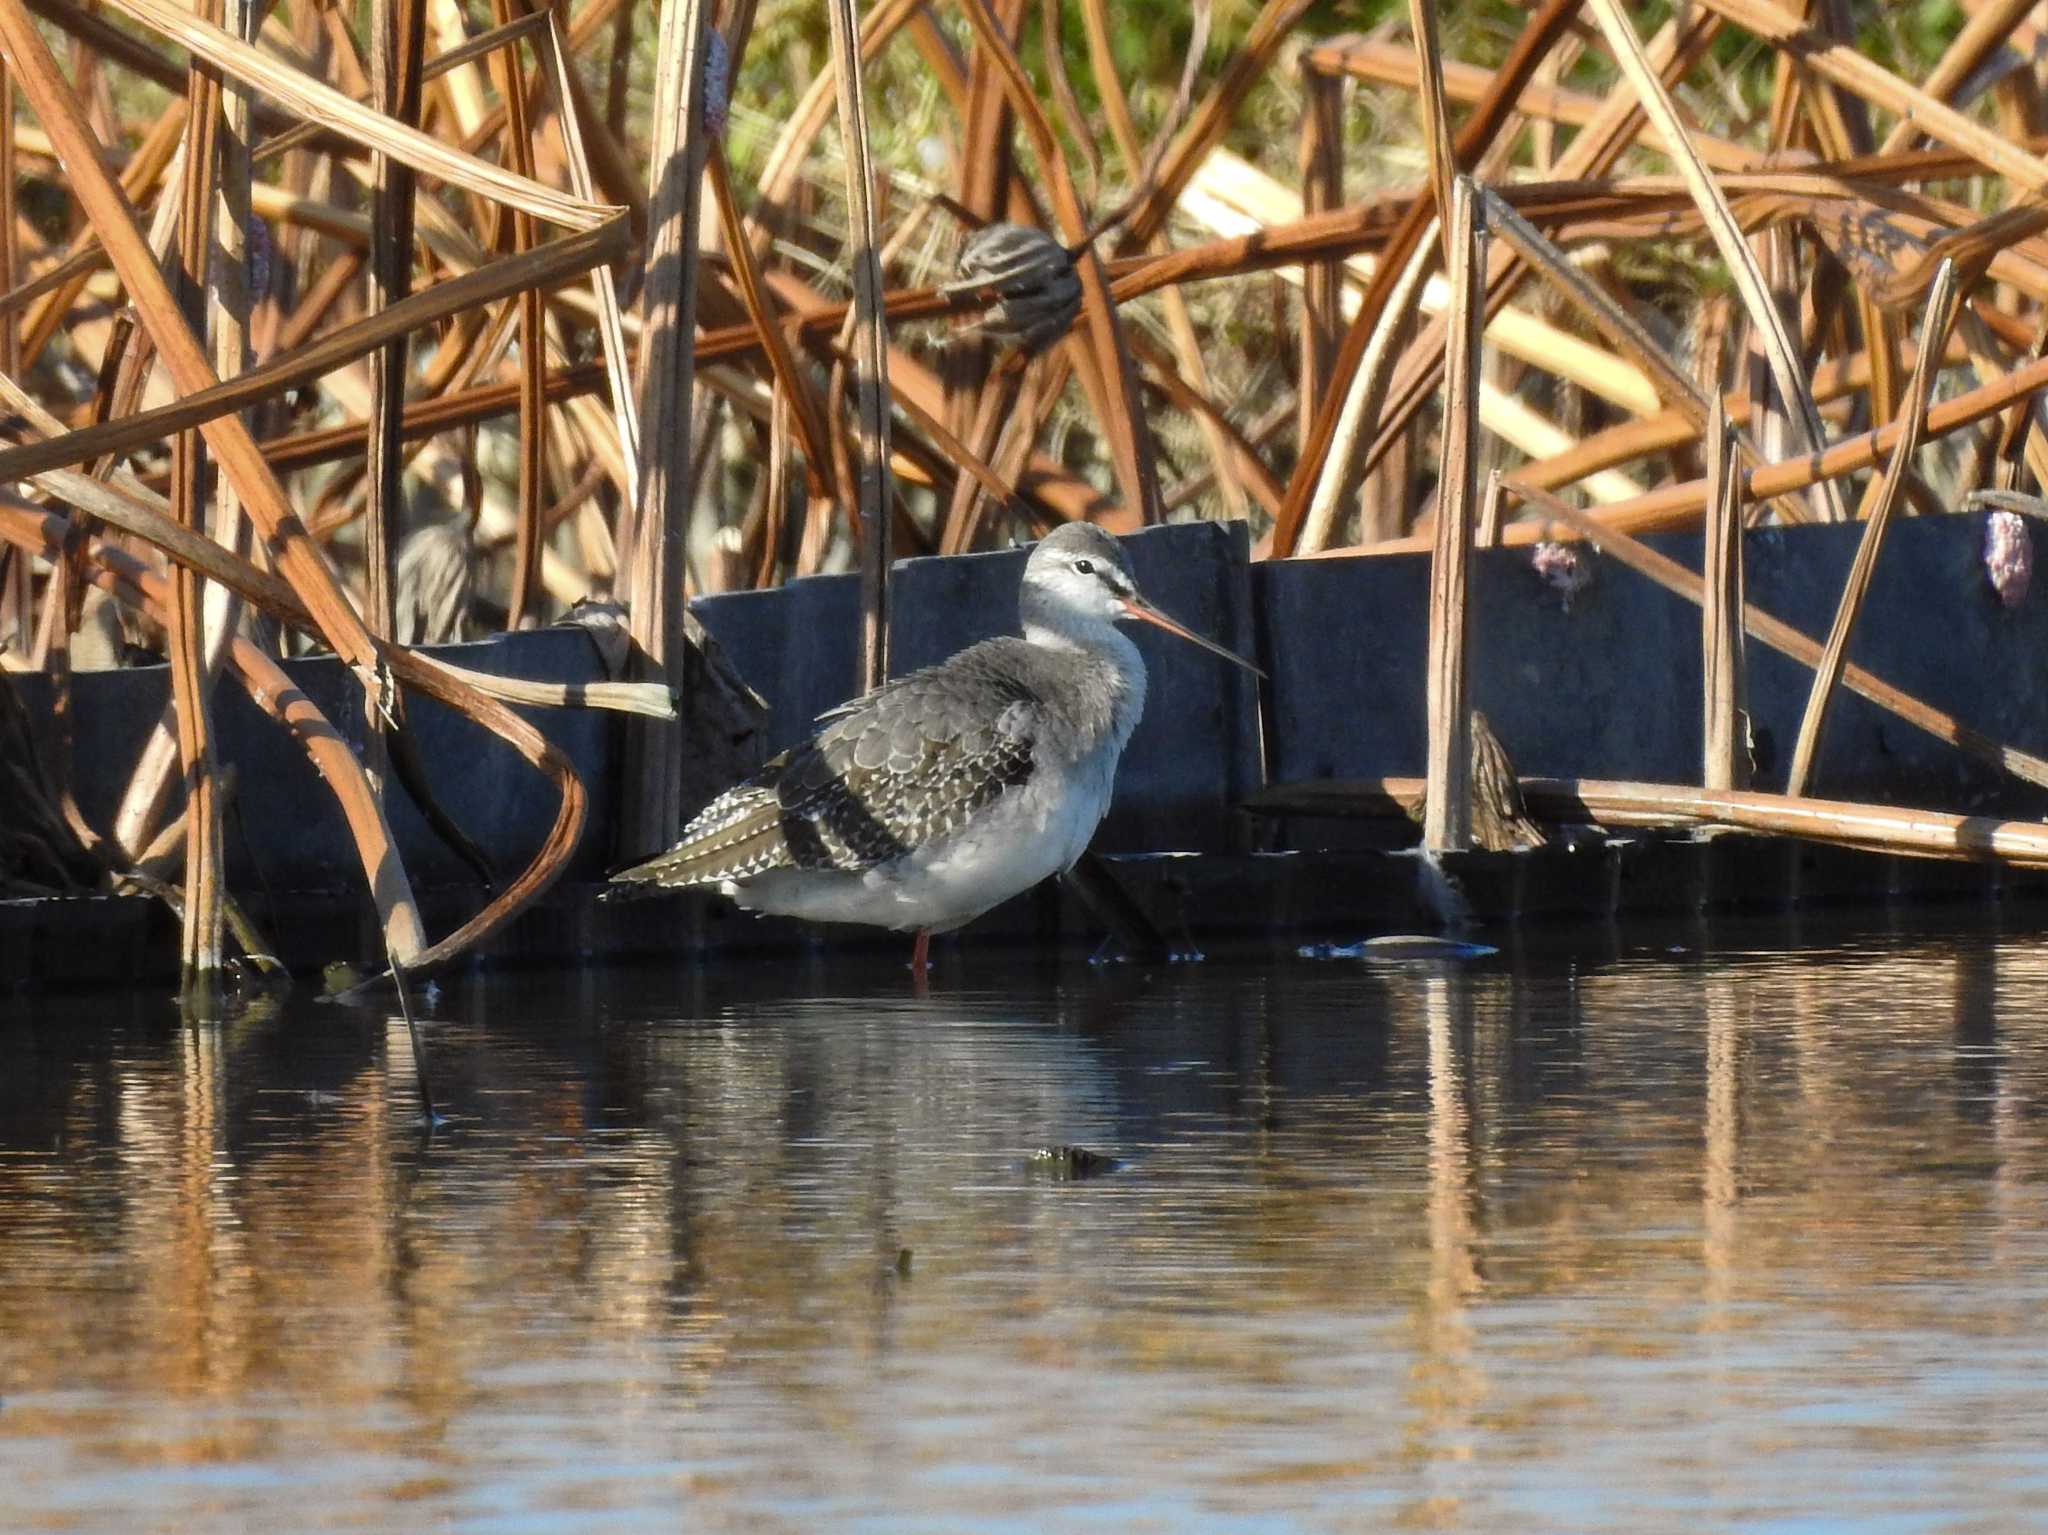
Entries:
{"x":1108,"y":690}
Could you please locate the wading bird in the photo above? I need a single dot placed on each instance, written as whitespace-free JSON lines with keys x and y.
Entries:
{"x":944,"y":793}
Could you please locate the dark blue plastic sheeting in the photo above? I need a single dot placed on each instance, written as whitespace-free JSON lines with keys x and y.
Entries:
{"x":1607,"y":685}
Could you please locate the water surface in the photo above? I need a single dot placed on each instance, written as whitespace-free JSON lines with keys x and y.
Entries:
{"x":1629,"y":1232}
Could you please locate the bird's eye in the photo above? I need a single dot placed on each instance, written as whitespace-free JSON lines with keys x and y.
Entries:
{"x":1086,"y":567}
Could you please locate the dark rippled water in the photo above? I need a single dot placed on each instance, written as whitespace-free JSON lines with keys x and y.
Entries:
{"x":1616,"y":1233}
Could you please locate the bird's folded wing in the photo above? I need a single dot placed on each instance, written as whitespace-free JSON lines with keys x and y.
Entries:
{"x":897,"y":769}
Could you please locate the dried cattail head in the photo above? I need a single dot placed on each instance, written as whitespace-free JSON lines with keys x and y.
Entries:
{"x":1038,"y":292}
{"x":717,"y":83}
{"x":436,"y":578}
{"x":1561,"y":569}
{"x":2008,"y":556}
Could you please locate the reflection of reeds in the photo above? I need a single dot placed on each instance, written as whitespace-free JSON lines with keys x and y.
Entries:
{"x":1407,"y":1215}
{"x":440,"y":233}
{"x":1720,"y":1174}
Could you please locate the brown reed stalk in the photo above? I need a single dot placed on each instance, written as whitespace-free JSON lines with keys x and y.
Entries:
{"x":1678,"y":504}
{"x":449,"y":410}
{"x":1841,"y":64}
{"x":1492,"y":504}
{"x":201,"y":927}
{"x":126,"y":504}
{"x":784,"y":161}
{"x":1354,"y":421}
{"x":221,"y":400}
{"x":28,"y":527}
{"x":1877,"y":513}
{"x":1210,"y":118}
{"x":652,"y":557}
{"x":985,"y":183}
{"x":1140,"y":165}
{"x":870,"y":348}
{"x":358,"y":123}
{"x":579,"y":137}
{"x":229,"y":305}
{"x":1844,"y":823}
{"x":398,"y":35}
{"x":1767,"y":323}
{"x":1617,"y":804}
{"x":1447,"y":823}
{"x":1103,"y":364}
{"x":1321,"y":162}
{"x":525,"y":591}
{"x":807,"y":412}
{"x":1680,"y":44}
{"x":1724,"y":688}
{"x":1531,"y":45}
{"x":1391,"y":63}
{"x":144,"y":168}
{"x":1164,"y":376}
{"x":1435,"y":112}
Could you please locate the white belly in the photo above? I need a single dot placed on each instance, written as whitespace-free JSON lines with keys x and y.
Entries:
{"x":1031,"y":833}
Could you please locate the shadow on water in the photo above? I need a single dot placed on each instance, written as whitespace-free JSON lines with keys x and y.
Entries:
{"x":1746,"y":1224}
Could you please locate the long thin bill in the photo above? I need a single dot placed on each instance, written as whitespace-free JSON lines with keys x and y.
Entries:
{"x":1138,"y":607}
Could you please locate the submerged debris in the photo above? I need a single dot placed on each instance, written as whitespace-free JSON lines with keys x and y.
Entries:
{"x":1069,"y":1164}
{"x":1398,"y":946}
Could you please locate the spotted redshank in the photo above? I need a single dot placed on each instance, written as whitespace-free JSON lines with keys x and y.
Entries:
{"x":945,"y":792}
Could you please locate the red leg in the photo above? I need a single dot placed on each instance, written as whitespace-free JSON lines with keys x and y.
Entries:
{"x":921,"y":952}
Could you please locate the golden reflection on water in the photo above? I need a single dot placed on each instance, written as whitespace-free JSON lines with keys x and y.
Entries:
{"x":1409,"y":1245}
{"x":1449,"y":1385}
{"x":1720,"y":1188}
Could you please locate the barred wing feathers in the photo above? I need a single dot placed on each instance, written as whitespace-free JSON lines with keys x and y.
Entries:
{"x":887,"y":773}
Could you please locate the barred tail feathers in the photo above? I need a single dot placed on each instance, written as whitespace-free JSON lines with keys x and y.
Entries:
{"x":728,"y":841}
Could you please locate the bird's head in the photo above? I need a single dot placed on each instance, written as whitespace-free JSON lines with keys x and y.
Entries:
{"x":1077,"y":579}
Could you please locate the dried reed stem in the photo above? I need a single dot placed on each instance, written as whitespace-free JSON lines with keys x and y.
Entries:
{"x":652,"y":557}
{"x":1941,"y":311}
{"x":1804,"y":418}
{"x":398,"y":34}
{"x":870,"y":349}
{"x":1530,"y":46}
{"x":1723,"y":748}
{"x":1447,"y":823}
{"x":201,"y":929}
